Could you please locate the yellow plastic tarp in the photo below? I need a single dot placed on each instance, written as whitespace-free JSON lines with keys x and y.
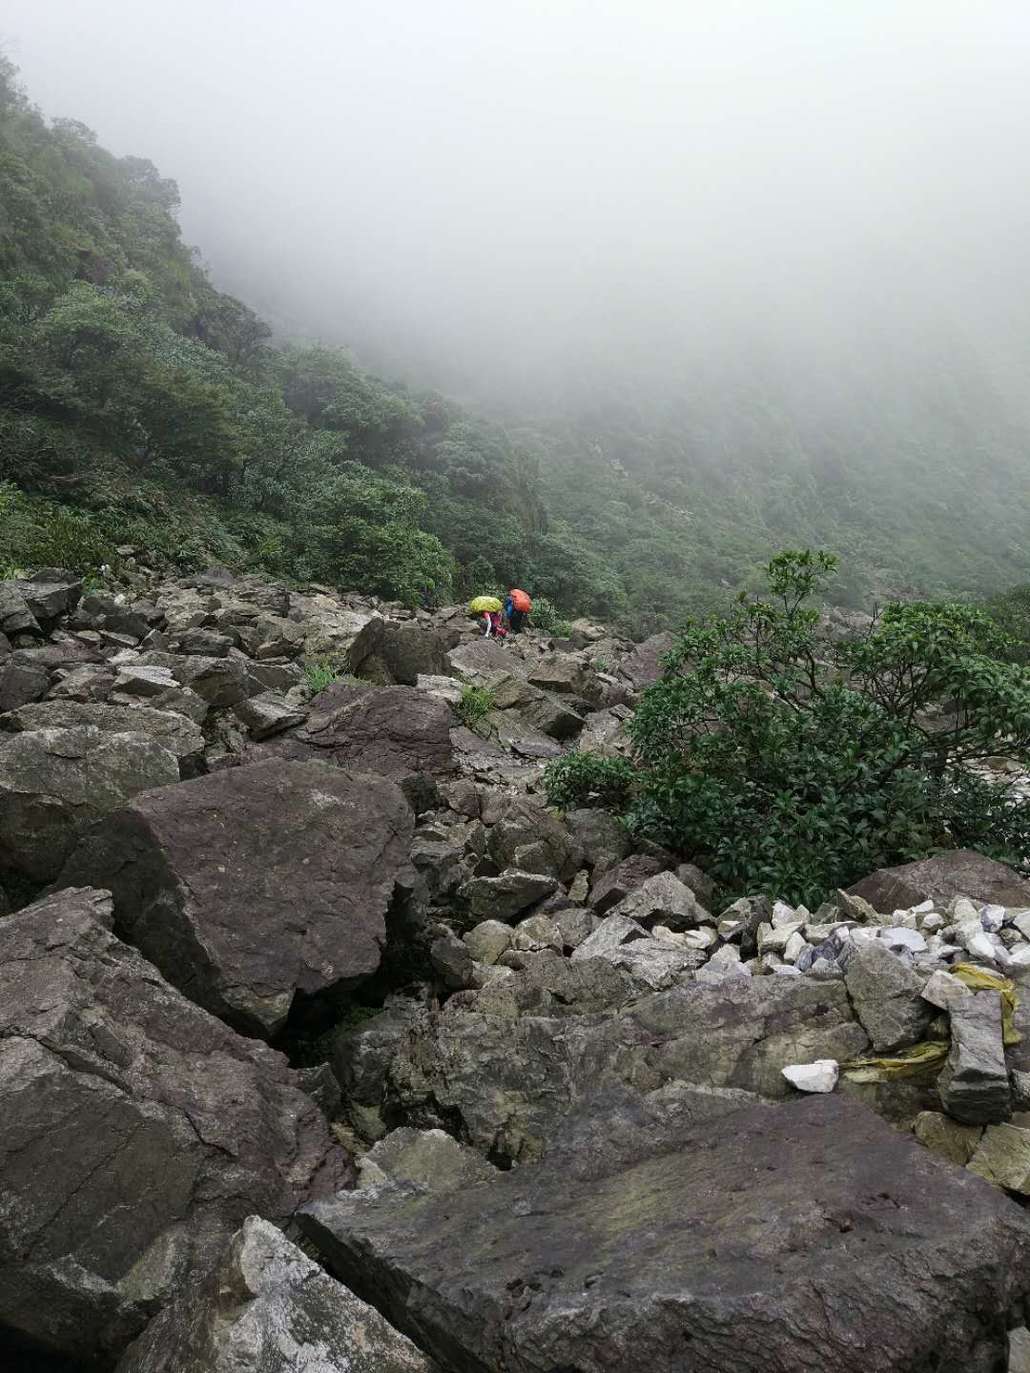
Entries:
{"x":980,"y":980}
{"x":926,"y":1057}
{"x":480,"y":603}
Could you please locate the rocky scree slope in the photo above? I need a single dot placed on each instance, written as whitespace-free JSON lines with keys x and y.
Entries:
{"x":549,"y":1109}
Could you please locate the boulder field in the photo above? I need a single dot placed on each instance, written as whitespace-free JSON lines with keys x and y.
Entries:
{"x":325,"y":1044}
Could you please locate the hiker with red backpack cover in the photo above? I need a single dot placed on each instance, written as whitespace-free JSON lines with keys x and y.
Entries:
{"x":517,"y":608}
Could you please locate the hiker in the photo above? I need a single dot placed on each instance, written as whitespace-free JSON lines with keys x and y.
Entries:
{"x":516,"y":609}
{"x":493,"y":627}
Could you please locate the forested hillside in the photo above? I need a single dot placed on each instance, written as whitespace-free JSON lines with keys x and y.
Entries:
{"x":141,"y":406}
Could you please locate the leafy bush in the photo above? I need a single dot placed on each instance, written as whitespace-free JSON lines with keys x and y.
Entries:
{"x":1010,"y":611}
{"x":475,"y":704}
{"x":785,"y":762}
{"x":320,"y":673}
{"x":35,"y":533}
{"x":547,"y":618}
{"x":589,"y":779}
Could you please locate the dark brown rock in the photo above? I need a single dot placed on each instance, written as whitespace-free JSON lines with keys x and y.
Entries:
{"x":138,"y":1132}
{"x":638,"y":1244}
{"x":396,"y":732}
{"x":643,"y":667}
{"x":959,"y":873}
{"x":254,"y":883}
{"x":615,"y":884}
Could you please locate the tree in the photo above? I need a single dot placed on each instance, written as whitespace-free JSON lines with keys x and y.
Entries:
{"x":783,"y":760}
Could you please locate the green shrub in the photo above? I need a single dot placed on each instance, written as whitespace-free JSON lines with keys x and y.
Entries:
{"x":589,"y":779}
{"x":783,"y":762}
{"x":547,"y":618}
{"x":37,"y":533}
{"x":475,"y":704}
{"x":320,"y":673}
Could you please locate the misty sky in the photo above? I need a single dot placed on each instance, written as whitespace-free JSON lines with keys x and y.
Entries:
{"x":498,"y":195}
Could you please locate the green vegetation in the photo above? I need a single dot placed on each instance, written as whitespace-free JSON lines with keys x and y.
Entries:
{"x":320,"y":673}
{"x":475,"y":704}
{"x":547,"y":618}
{"x":782,"y":762}
{"x":1010,"y":611}
{"x":589,"y":779}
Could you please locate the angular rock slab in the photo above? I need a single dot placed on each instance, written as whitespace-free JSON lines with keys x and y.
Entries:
{"x":56,"y":782}
{"x":397,"y":732}
{"x":806,"y":1237}
{"x":268,"y":1308}
{"x":508,"y":1073}
{"x":255,"y":883}
{"x":962,"y":872}
{"x":138,"y":1131}
{"x":172,"y":731}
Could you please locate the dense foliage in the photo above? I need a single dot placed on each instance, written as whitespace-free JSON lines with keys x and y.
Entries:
{"x":786,"y":761}
{"x":145,"y":407}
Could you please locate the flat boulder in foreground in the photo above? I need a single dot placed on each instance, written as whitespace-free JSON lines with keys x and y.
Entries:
{"x":809,"y":1236}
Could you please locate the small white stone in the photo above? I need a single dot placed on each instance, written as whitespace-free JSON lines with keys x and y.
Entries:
{"x":1019,"y":957}
{"x":992,"y":918}
{"x":774,"y":940}
{"x":724,"y":957}
{"x":931,"y":923}
{"x":898,"y":937}
{"x":923,"y":908}
{"x":782,"y":914}
{"x":962,"y":909}
{"x":979,"y":944}
{"x":787,"y":970}
{"x":1021,"y":922}
{"x":820,"y":1076}
{"x":702,"y":938}
{"x":795,"y":944}
{"x":943,"y":990}
{"x":729,"y":929}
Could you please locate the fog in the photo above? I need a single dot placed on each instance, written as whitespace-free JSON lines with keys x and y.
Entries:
{"x":544,"y":200}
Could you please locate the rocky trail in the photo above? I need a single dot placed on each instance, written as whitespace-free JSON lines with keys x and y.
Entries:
{"x":326,"y":1045}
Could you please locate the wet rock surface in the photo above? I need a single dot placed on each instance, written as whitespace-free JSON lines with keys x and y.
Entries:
{"x":648,"y":1251}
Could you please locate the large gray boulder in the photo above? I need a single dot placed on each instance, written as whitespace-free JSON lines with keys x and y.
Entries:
{"x":15,"y":615}
{"x":886,"y":994}
{"x":50,"y":593}
{"x":400,"y":653}
{"x":254,"y":884}
{"x":643,"y":667}
{"x":267,"y":1308}
{"x":504,"y":897}
{"x":56,"y":782}
{"x":601,"y":835}
{"x":974,"y":1085}
{"x":174,"y":732}
{"x":504,"y":1067}
{"x":959,"y":873}
{"x":616,"y":883}
{"x":138,"y":1132}
{"x":532,"y":838}
{"x":548,"y":713}
{"x":639,"y":1243}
